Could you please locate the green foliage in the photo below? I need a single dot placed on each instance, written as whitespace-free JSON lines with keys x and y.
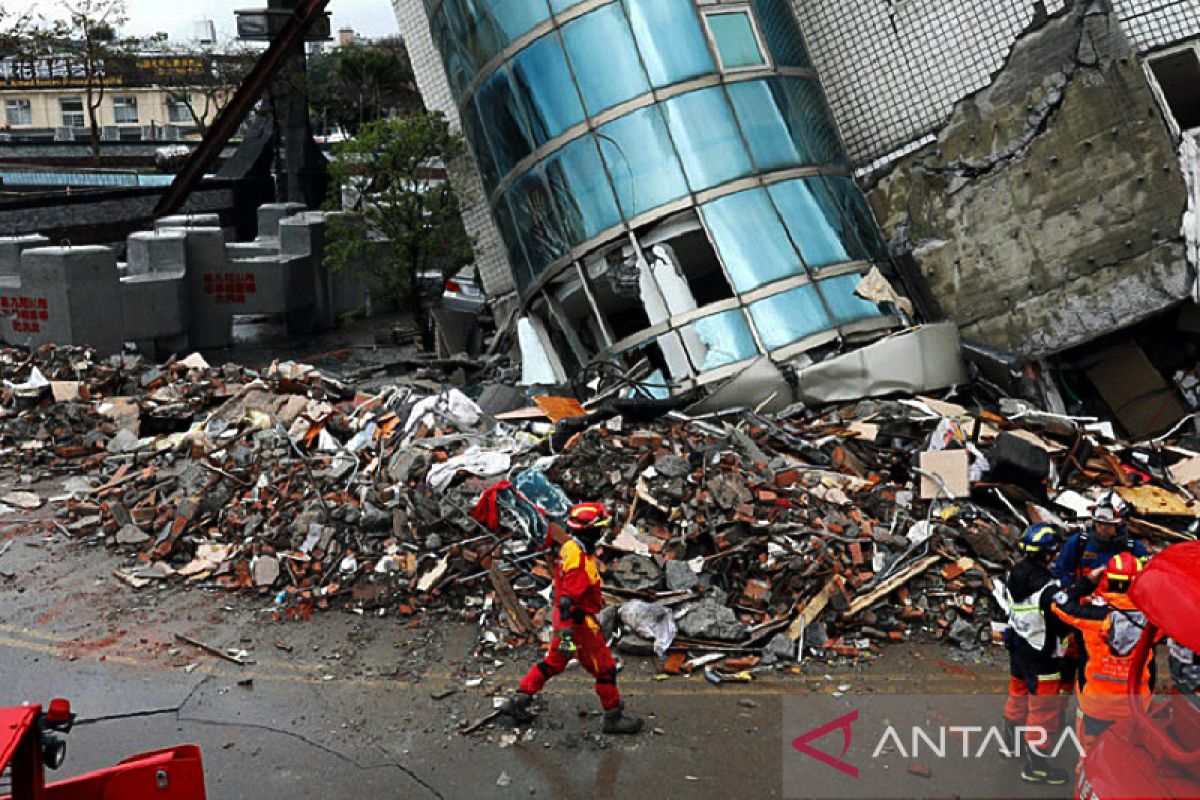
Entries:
{"x":405,"y":224}
{"x":357,"y":84}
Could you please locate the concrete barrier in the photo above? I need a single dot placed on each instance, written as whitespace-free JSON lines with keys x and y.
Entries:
{"x":180,"y":288}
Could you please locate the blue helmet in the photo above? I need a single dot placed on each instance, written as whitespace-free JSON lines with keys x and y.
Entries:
{"x":1041,"y":537}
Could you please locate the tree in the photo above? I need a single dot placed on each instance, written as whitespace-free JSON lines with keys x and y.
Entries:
{"x":408,"y":221}
{"x":89,"y":35}
{"x":205,"y":92}
{"x":357,"y":84}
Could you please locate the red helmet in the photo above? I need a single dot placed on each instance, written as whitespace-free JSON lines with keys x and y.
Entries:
{"x":1121,"y":570}
{"x":586,"y":516}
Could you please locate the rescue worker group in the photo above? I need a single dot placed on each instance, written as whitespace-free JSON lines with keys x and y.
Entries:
{"x":1072,"y":629}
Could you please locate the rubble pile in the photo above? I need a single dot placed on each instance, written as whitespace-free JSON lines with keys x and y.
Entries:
{"x":746,"y":539}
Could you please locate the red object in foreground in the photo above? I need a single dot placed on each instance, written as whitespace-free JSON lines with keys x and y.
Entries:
{"x":30,"y":741}
{"x":1155,"y":753}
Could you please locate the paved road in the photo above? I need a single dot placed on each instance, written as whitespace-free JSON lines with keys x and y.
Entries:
{"x":349,"y":709}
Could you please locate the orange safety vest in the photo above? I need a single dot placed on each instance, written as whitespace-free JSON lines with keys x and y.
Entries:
{"x":1111,"y":627}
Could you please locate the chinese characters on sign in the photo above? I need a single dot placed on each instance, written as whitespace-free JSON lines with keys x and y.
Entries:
{"x":229,"y":288}
{"x":27,"y":313}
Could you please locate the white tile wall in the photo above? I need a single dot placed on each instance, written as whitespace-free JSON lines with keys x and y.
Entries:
{"x":1156,"y":23}
{"x":490,"y":255}
{"x":894,"y":69}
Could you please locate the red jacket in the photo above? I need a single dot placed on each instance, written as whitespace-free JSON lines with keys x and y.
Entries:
{"x":576,"y":577}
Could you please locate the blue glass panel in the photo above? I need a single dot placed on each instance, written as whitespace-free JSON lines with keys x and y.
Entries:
{"x":516,"y":252}
{"x":458,"y":69}
{"x":751,"y":240}
{"x":503,"y":122}
{"x":514,"y":18}
{"x":473,"y":131}
{"x":604,"y":57}
{"x":536,"y":222}
{"x":582,"y":196}
{"x":814,"y":221}
{"x":563,"y":5}
{"x":725,"y":338}
{"x":707,"y":138}
{"x":782,"y":32}
{"x":859,"y":219}
{"x":789,"y":316}
{"x":809,"y":119}
{"x":543,"y":83}
{"x":641,"y":161}
{"x":675,"y":57}
{"x":736,"y":43}
{"x":846,"y":306}
{"x":477,"y":34}
{"x":771,"y":141}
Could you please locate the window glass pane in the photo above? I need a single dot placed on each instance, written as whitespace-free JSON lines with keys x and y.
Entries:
{"x":782,"y":32}
{"x":829,"y":219}
{"x":536,"y":222}
{"x":814,"y":222}
{"x":772,"y":142}
{"x":751,"y":240}
{"x":548,"y":95}
{"x":498,"y":114}
{"x":605,"y":60}
{"x":675,"y":57}
{"x":473,"y":131}
{"x":789,"y":316}
{"x":846,"y":306}
{"x":514,"y":18}
{"x":734,"y":36}
{"x":581,"y":192}
{"x":516,"y":252}
{"x":809,"y":119}
{"x":710,"y":145}
{"x":641,"y":161}
{"x":718,"y":340}
{"x":458,"y":69}
{"x":563,"y":5}
{"x":480,"y":39}
{"x":859,"y":219}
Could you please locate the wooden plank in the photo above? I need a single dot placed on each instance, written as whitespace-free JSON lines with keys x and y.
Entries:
{"x":891,"y":584}
{"x":814,"y":607}
{"x":508,"y":598}
{"x":560,"y":408}
{"x":1156,"y":501}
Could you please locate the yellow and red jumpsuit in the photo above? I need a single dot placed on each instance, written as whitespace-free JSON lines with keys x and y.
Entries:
{"x":1111,"y":626}
{"x":576,"y":577}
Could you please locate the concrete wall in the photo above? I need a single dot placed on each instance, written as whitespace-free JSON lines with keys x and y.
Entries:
{"x":490,"y":256}
{"x":1048,"y":210}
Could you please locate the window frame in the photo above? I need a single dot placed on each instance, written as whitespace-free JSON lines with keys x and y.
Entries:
{"x":1156,"y":89}
{"x":18,"y":103}
{"x":759,"y":39}
{"x":120,"y":104}
{"x":179,"y":107}
{"x":63,"y":112}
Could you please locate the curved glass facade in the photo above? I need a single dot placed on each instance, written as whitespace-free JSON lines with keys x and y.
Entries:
{"x":590,"y":124}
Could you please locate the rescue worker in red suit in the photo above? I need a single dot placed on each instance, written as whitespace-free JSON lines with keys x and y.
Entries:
{"x":577,"y":600}
{"x":1098,"y":606}
{"x":1036,"y":641}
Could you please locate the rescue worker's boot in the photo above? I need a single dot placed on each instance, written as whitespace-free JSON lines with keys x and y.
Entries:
{"x":1039,"y":770}
{"x":616,"y":721}
{"x":517,"y":707}
{"x":1012,"y":740}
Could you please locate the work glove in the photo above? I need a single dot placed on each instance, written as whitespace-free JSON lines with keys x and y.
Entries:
{"x":569,"y":613}
{"x":566,"y":641}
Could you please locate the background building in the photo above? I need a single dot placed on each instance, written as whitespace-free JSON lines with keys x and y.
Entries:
{"x":664,"y":177}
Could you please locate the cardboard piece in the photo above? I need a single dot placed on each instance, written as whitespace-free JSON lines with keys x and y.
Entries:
{"x":953,"y":467}
{"x":560,"y":408}
{"x":1136,"y":393}
{"x":1186,"y":472}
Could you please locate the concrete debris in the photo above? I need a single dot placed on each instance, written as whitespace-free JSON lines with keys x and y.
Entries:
{"x":756,"y":538}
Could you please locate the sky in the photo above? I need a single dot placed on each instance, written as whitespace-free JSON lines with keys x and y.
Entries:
{"x":369,"y":18}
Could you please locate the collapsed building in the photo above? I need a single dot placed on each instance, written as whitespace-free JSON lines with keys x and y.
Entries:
{"x":667,"y":182}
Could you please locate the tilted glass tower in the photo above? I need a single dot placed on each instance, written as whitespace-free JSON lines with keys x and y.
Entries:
{"x":666,"y":177}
